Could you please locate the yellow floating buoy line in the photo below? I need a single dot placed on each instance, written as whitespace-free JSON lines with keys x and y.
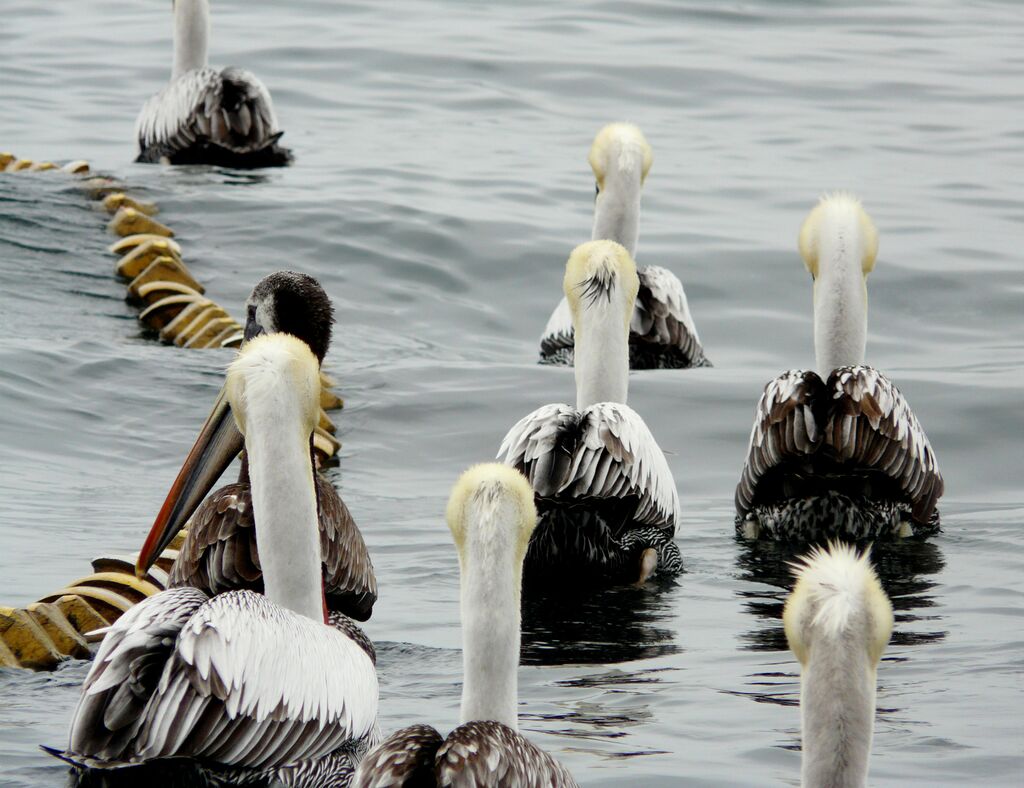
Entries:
{"x":173,"y":303}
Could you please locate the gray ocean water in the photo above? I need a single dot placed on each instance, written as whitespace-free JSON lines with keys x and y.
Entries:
{"x":439,"y":185}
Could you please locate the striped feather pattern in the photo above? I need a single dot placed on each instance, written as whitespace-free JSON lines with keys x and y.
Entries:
{"x":220,"y":552}
{"x":229,"y":110}
{"x":857,"y":420}
{"x":243,"y":683}
{"x":474,"y":754}
{"x":662,"y":334}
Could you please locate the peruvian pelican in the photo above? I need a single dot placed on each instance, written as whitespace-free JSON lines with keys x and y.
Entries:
{"x":491,"y":515}
{"x":220,"y":549}
{"x":662,"y":334}
{"x":838,"y":621}
{"x":837,"y":451}
{"x":606,"y":498}
{"x":241,"y":685}
{"x":205,"y":116}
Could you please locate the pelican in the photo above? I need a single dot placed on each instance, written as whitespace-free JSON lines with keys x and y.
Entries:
{"x":205,"y":116}
{"x":838,"y":621}
{"x":605,"y":495}
{"x":837,"y":451}
{"x":246,"y":685}
{"x":491,"y":515}
{"x":220,"y":549}
{"x":662,"y":334}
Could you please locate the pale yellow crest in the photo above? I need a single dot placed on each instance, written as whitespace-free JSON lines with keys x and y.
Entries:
{"x":614,"y":145}
{"x":835,"y":207}
{"x":269,"y":364}
{"x":593,"y":269}
{"x":832,"y":585}
{"x":492,"y":480}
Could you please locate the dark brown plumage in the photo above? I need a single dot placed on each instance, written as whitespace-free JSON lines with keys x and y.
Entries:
{"x":220,"y":552}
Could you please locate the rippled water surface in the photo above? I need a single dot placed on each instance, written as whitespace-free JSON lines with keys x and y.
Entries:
{"x":440,"y":182}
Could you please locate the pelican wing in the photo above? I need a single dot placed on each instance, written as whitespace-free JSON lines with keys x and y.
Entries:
{"x":126,"y":672}
{"x":605,"y":451}
{"x":872,"y":426}
{"x":351,"y":585}
{"x":787,"y":425}
{"x":406,"y":757}
{"x":662,"y":315}
{"x":489,"y":753}
{"x":251,"y":684}
{"x":558,"y":336}
{"x":220,"y":552}
{"x":231,"y":108}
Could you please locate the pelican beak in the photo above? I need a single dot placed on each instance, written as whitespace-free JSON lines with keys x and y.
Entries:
{"x":218,"y":444}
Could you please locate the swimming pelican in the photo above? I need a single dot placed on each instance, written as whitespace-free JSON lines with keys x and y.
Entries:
{"x":247,"y":685}
{"x":838,"y":621}
{"x":837,"y":452}
{"x":606,"y":497}
{"x":662,"y":334}
{"x":205,"y":116}
{"x":491,"y":515}
{"x":220,"y":550}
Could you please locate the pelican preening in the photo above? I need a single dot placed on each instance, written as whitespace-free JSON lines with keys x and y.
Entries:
{"x":606,"y":499}
{"x":491,"y":515}
{"x":838,"y":621}
{"x":205,"y":116}
{"x":837,"y":452}
{"x":242,"y":685}
{"x":220,"y":552}
{"x":662,"y":333}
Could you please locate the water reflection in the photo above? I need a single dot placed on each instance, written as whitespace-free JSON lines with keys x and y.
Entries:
{"x":906,"y":569}
{"x":603,"y":626}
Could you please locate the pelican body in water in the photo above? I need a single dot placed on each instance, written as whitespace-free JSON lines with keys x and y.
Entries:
{"x":838,"y":621}
{"x":243,"y":686}
{"x":491,"y":515}
{"x":220,"y":552}
{"x":606,"y":499}
{"x":205,"y":116}
{"x":837,"y":452}
{"x":662,"y":334}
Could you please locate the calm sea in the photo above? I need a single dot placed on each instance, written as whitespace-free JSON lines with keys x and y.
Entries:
{"x":440,"y":183}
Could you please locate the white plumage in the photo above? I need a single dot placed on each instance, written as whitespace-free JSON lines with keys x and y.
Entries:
{"x":206,"y":116}
{"x":662,"y":331}
{"x":615,"y":455}
{"x":838,"y":451}
{"x":606,"y":498}
{"x":243,"y":685}
{"x":260,"y":682}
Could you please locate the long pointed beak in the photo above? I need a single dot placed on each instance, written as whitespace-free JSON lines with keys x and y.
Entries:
{"x":218,"y":444}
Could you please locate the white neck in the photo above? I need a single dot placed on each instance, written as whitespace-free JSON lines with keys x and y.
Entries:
{"x":602,"y":350}
{"x":617,"y":208}
{"x":837,"y":708}
{"x":191,"y":33}
{"x":490,"y":585}
{"x":840,"y":306}
{"x":284,"y":504}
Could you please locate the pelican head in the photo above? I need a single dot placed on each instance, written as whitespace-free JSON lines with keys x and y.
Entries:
{"x":600,"y":285}
{"x":276,"y":373}
{"x":837,"y":223}
{"x":291,"y":303}
{"x":839,"y":243}
{"x":838,"y":621}
{"x":597,"y":273}
{"x":622,"y":150}
{"x":281,"y":303}
{"x":491,"y":504}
